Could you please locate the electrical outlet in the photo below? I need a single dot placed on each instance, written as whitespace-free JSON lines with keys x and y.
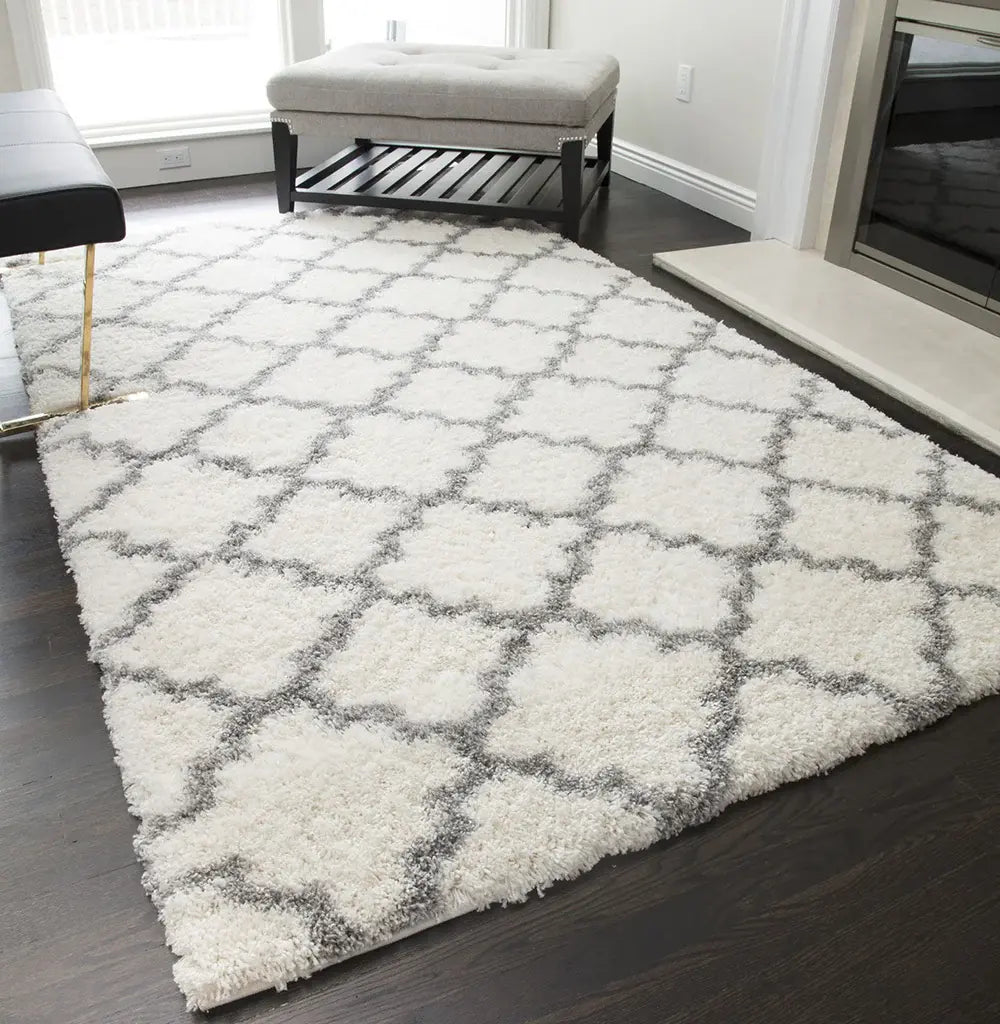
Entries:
{"x":685,"y":81}
{"x":179,"y":156}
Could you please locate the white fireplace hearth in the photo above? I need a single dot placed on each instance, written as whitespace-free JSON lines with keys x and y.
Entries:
{"x":808,"y":273}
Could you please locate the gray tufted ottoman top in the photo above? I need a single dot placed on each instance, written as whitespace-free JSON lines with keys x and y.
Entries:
{"x":563,"y":88}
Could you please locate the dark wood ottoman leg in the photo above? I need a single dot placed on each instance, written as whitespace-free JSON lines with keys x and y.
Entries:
{"x":286,"y":147}
{"x":605,"y":136}
{"x":572,"y":188}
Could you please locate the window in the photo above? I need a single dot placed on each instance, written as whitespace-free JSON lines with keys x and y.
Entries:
{"x":149,"y":69}
{"x":125,"y":63}
{"x":483,"y":23}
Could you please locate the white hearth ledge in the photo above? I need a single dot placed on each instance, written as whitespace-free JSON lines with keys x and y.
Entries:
{"x":933,"y":362}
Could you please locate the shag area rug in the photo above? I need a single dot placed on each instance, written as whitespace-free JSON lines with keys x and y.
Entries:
{"x":444,"y":560}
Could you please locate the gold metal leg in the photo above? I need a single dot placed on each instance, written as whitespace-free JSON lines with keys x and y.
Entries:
{"x":23,"y":423}
{"x":32,"y":420}
{"x":41,"y":258}
{"x":88,"y":322}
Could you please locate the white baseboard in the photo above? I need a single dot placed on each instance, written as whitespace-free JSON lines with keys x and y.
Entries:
{"x":248,"y":152}
{"x":133,"y":164}
{"x":705,"y":191}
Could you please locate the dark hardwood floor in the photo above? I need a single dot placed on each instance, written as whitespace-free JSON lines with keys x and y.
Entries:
{"x":868,"y":895}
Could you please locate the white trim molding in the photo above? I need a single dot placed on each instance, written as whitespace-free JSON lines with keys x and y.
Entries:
{"x":528,"y":23}
{"x":303,"y":30}
{"x":166,"y":131}
{"x":31,"y":48}
{"x":800,"y":120}
{"x":721,"y":198}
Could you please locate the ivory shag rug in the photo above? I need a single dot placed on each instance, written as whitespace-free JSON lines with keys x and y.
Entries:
{"x":444,"y":560}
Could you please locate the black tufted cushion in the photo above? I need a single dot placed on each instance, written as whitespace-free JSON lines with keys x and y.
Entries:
{"x":53,"y":192}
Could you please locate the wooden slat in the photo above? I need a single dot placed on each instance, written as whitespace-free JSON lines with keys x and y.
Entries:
{"x":482,"y":177}
{"x":427,"y":173}
{"x":503,"y":183}
{"x":361,"y":182}
{"x":533,"y":183}
{"x":550,"y":196}
{"x":387,"y":182}
{"x":465,"y":163}
{"x":309,"y":178}
{"x":365,"y":161}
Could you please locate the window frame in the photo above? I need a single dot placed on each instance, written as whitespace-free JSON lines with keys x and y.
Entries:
{"x":303,"y":36}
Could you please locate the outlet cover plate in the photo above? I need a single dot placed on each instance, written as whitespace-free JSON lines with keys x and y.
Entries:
{"x":175,"y":156}
{"x":685,"y":82}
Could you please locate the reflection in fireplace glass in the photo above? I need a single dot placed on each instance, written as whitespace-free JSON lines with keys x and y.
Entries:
{"x":932,"y":198}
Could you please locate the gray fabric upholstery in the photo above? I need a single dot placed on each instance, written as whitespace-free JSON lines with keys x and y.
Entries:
{"x":562,"y":88}
{"x":523,"y":138}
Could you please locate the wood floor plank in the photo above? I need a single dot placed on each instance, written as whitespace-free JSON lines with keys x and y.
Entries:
{"x":867,"y":895}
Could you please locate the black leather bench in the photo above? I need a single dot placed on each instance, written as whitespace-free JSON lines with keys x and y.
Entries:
{"x":53,"y":195}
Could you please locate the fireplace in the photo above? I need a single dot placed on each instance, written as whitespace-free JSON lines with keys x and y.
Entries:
{"x":918,"y":201}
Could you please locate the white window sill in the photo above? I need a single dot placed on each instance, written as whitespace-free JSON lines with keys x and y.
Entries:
{"x":140,"y":134}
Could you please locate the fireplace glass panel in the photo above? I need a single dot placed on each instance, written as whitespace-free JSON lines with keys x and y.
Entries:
{"x":931,"y":204}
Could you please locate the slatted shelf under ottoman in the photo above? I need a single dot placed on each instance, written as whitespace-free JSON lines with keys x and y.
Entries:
{"x":470,"y":129}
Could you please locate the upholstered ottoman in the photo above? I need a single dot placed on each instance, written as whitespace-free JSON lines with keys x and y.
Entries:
{"x":473,"y":129}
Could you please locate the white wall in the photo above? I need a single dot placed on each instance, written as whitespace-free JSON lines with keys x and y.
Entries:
{"x":8,"y":66}
{"x":732,"y":45}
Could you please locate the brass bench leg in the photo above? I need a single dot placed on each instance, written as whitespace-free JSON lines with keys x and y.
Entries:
{"x":88,"y":324}
{"x":22,"y":423}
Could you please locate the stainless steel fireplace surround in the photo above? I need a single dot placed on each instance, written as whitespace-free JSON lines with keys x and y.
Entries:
{"x":917,"y":205}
